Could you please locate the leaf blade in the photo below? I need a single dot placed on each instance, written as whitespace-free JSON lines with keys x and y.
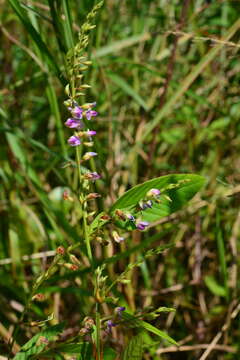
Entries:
{"x":186,"y":186}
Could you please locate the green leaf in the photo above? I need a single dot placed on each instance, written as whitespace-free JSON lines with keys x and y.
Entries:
{"x":84,"y":349}
{"x":214,"y":287}
{"x":109,"y":354}
{"x":135,"y":322}
{"x":176,"y":191}
{"x":134,"y":350}
{"x":35,"y":345}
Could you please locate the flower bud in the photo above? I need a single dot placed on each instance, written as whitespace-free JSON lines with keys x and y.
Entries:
{"x":89,"y":155}
{"x":105,"y":217}
{"x":93,"y":196}
{"x":153,"y":193}
{"x":74,"y":259}
{"x":130,"y":217}
{"x":72,"y":267}
{"x":117,"y":237}
{"x":60,"y":250}
{"x":67,"y":103}
{"x":66,"y":196}
{"x":91,"y":176}
{"x":88,"y":323}
{"x":83,"y":331}
{"x":120,"y":214}
{"x":38,"y":297}
{"x":42,"y":340}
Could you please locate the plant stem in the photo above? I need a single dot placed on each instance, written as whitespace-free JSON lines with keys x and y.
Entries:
{"x":98,"y":332}
{"x":86,"y":235}
{"x":83,"y":207}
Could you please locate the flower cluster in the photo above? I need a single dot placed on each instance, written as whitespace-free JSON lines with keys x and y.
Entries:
{"x":110,"y":324}
{"x":150,"y":198}
{"x":81,"y":136}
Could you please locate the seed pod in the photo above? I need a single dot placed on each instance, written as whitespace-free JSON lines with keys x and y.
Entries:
{"x":74,"y":259}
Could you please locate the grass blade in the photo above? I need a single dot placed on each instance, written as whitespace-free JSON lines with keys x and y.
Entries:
{"x":38,"y":40}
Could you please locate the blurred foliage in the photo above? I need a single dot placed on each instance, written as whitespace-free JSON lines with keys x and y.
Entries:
{"x":195,"y":129}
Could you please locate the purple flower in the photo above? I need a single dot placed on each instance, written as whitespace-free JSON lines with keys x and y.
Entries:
{"x":90,"y":132}
{"x":146,"y":205}
{"x":110,"y":325}
{"x":74,"y":141}
{"x":90,"y":113}
{"x":89,"y":155}
{"x":73,"y":123}
{"x":142,"y":205}
{"x":153,"y":192}
{"x":130,"y":217}
{"x":92,"y":176}
{"x":120,"y":309}
{"x":142,"y":225}
{"x":77,"y":112}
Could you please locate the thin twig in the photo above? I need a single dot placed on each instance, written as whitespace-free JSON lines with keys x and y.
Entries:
{"x":224,"y":328}
{"x":195,"y":347}
{"x":23,"y":47}
{"x":39,"y":255}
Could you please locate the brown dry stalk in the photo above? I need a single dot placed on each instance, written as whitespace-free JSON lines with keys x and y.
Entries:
{"x":217,"y":337}
{"x":204,"y":38}
{"x":195,"y":347}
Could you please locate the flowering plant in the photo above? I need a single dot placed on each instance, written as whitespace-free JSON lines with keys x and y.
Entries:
{"x":136,"y":210}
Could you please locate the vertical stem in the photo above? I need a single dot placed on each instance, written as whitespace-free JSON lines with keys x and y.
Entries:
{"x":83,"y":207}
{"x":86,"y":235}
{"x":98,"y":332}
{"x":78,"y":155}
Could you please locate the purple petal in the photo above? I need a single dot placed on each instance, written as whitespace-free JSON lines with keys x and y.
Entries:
{"x":77,"y":112}
{"x":120,"y":308}
{"x":142,"y":225}
{"x":154,"y":192}
{"x":130,"y":217}
{"x":110,"y":324}
{"x":91,"y":153}
{"x":92,"y":176}
{"x":74,"y":141}
{"x":73,"y":123}
{"x":90,"y":132}
{"x":90,"y":113}
{"x":149,"y":203}
{"x":96,"y":175}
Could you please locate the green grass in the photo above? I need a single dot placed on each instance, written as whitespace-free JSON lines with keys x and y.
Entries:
{"x":197,"y":132}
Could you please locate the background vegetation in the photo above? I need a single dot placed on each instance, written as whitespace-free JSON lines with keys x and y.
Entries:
{"x":165,"y":76}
